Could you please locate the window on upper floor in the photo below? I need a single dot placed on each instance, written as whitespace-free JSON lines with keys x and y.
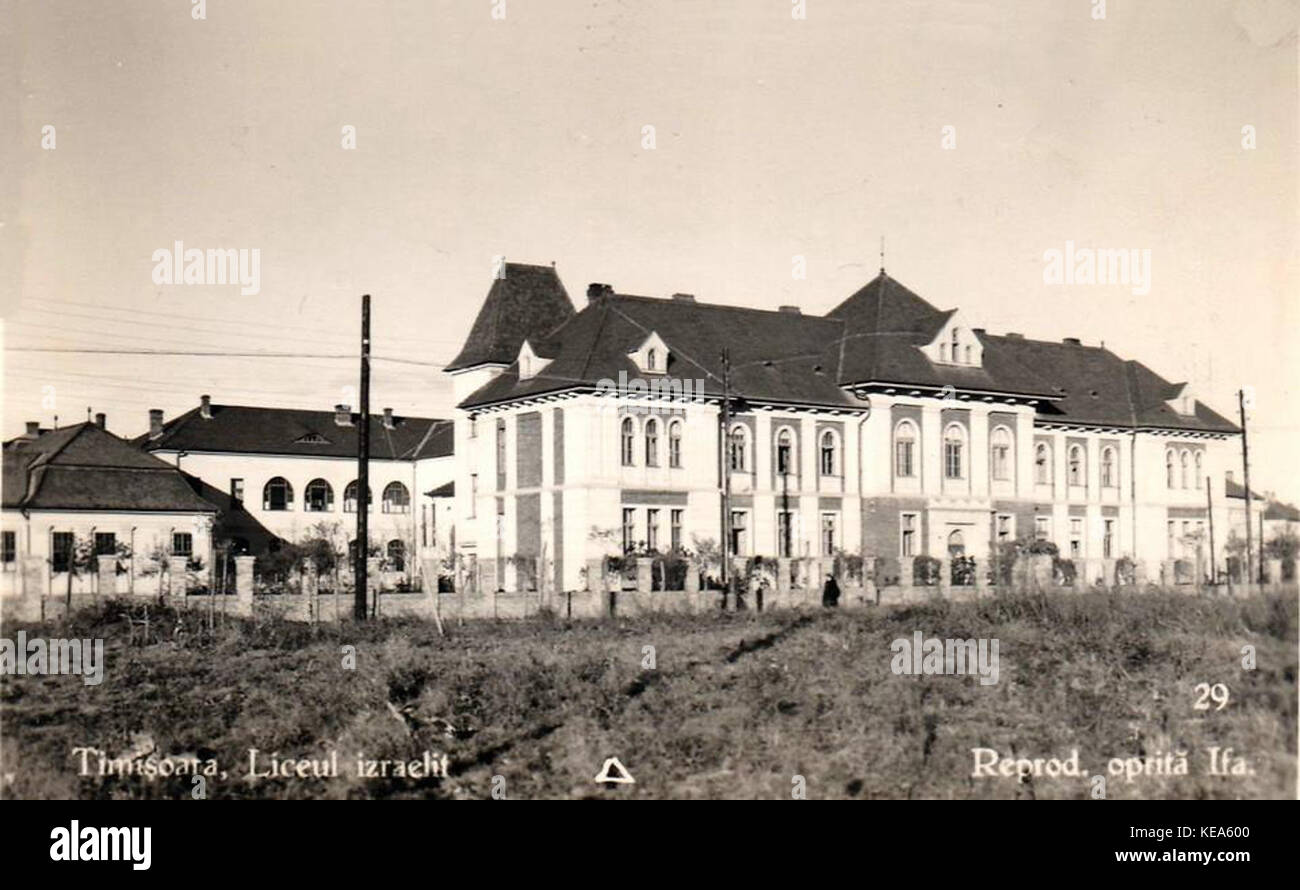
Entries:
{"x":350,"y":497}
{"x":1199,"y":476}
{"x":1109,"y":478}
{"x":737,"y":446}
{"x":1184,"y":461}
{"x":1042,"y":464}
{"x":784,"y":452}
{"x":954,"y":452}
{"x":905,"y":449}
{"x":628,"y":434}
{"x":1000,"y":454}
{"x":652,"y":441}
{"x":318,"y":497}
{"x":1169,"y":468}
{"x":397,"y":499}
{"x":277,"y":494}
{"x":675,"y":444}
{"x":652,"y":359}
{"x":1074,"y":467}
{"x":829,"y":454}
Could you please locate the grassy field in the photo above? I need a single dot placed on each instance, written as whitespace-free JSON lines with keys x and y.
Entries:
{"x":736,"y":706}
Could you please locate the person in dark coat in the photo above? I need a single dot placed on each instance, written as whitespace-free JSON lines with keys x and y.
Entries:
{"x":831,"y":592}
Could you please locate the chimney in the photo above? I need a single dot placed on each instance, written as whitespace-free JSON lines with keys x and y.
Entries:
{"x":595,"y":291}
{"x":388,"y":418}
{"x":33,"y":430}
{"x":343,"y":415}
{"x":1071,"y":341}
{"x":155,"y":423}
{"x":684,"y":298}
{"x":792,"y":310}
{"x":1012,"y":335}
{"x":205,"y":407}
{"x":101,"y":420}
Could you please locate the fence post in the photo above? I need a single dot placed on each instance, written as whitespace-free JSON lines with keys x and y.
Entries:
{"x":244,"y":586}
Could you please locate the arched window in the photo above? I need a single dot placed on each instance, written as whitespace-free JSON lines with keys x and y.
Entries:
{"x":954,"y":344}
{"x":1075,"y":473}
{"x":1199,"y":475}
{"x":350,"y":497}
{"x":651,"y":360}
{"x":652,"y":442}
{"x":318,"y":497}
{"x":954,"y":456}
{"x":1169,"y":468}
{"x":1183,"y":462}
{"x":968,"y":354}
{"x":1108,"y":479}
{"x":784,"y":452}
{"x":736,"y":446}
{"x":829,"y":458}
{"x":943,"y":352}
{"x":629,"y":441}
{"x":277,"y":495}
{"x":1000,"y":453}
{"x":396,"y":556}
{"x":905,"y":449}
{"x":956,"y":543}
{"x":1042,"y":464}
{"x":396,"y":498}
{"x":675,"y":444}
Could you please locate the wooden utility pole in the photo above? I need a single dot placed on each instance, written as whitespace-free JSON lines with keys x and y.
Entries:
{"x":726,"y":467}
{"x":361,"y":597}
{"x":1209,"y":512}
{"x":1245,"y":472}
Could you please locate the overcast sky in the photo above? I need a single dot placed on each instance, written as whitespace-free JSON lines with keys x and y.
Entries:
{"x":525,"y":136}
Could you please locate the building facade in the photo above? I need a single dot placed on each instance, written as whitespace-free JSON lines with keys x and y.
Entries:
{"x":294,"y":473}
{"x":886,"y":428}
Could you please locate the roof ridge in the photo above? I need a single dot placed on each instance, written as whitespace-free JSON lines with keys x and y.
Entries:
{"x":669,"y":301}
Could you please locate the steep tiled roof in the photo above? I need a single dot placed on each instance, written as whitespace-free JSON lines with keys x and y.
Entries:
{"x":1279,"y":510}
{"x":83,"y":467}
{"x":253,"y":430}
{"x":527,"y":301}
{"x":872,"y":337}
{"x":1237,"y":490}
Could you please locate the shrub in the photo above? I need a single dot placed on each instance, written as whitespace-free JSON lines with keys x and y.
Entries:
{"x":925,"y":571}
{"x":1064,"y":571}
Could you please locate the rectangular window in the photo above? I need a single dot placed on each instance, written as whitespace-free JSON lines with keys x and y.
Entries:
{"x":828,"y":534}
{"x":1005,"y":531}
{"x":8,"y":549}
{"x":629,"y":529}
{"x":1108,"y":538}
{"x":676,"y":517}
{"x":652,"y":529}
{"x":182,"y":544}
{"x":903,"y":457}
{"x":1170,"y":535}
{"x":1001,"y":462}
{"x":61,"y":551}
{"x":739,"y":532}
{"x":105,"y":543}
{"x":237,"y":491}
{"x":473,"y":427}
{"x":907,"y":545}
{"x":784,"y":533}
{"x":1041,"y":528}
{"x":952,"y":460}
{"x":1076,"y":538}
{"x":473,"y":495}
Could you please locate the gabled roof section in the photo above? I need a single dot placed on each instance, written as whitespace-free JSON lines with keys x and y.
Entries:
{"x":526,"y":303}
{"x":290,"y":431}
{"x":776,"y":356}
{"x":83,"y":467}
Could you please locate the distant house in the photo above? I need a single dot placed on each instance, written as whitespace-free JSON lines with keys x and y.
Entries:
{"x":1267,"y":514}
{"x":73,"y":493}
{"x":293,"y":472}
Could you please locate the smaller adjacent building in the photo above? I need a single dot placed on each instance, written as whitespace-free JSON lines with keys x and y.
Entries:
{"x":293,"y":472}
{"x":77,"y":493}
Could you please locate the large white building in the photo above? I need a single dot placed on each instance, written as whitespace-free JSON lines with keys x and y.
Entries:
{"x":886,"y":427}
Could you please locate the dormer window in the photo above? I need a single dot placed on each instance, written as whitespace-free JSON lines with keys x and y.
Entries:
{"x":530,"y":364}
{"x":955,"y":345}
{"x":652,"y":355}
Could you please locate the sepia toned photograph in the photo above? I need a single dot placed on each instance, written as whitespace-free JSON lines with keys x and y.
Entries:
{"x":748,"y":399}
